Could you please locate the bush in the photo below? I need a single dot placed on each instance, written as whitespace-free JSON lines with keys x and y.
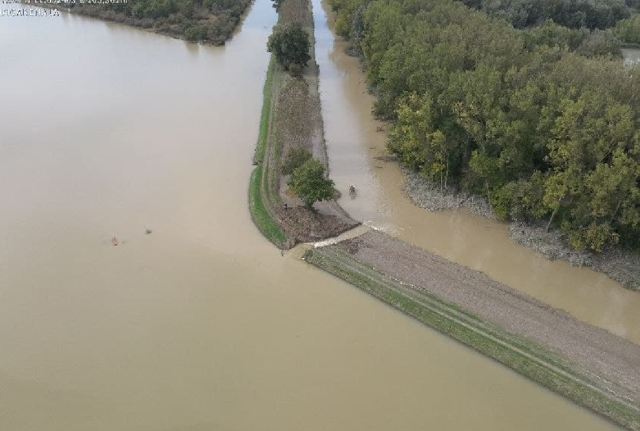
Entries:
{"x":600,"y":43}
{"x":628,"y":31}
{"x":294,"y":159}
{"x":290,"y":46}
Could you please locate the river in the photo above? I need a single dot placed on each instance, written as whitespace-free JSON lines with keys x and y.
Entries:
{"x":201,"y":325}
{"x":354,"y":148}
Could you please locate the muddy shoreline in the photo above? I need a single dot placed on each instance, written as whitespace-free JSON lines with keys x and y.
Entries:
{"x":622,"y":266}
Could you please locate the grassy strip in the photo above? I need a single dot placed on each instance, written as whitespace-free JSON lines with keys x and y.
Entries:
{"x":259,"y":213}
{"x":271,"y":180}
{"x":259,"y":190}
{"x":266,"y":113}
{"x":529,"y":359}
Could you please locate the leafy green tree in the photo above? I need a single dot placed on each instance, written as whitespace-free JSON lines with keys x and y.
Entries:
{"x":415,"y":138}
{"x":187,"y":8}
{"x":310,"y":184}
{"x":600,"y":43}
{"x":554,"y":35}
{"x":594,"y":172}
{"x":294,"y":159}
{"x":628,"y":30}
{"x":290,"y":45}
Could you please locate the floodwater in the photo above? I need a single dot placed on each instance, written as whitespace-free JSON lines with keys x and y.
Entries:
{"x":631,"y":55}
{"x":201,"y":325}
{"x":355,"y":146}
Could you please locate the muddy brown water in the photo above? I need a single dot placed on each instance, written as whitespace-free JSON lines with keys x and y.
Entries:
{"x":354,"y":146}
{"x":201,"y":325}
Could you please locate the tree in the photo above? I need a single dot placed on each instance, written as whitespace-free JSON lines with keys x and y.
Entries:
{"x":628,"y":30}
{"x":309,"y":183}
{"x":277,"y":4}
{"x":290,"y":45}
{"x":540,"y":120}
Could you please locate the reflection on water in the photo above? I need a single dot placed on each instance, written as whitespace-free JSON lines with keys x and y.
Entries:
{"x":201,"y":325}
{"x":355,"y":147}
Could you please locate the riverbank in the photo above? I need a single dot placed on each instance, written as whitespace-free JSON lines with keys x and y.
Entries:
{"x":291,"y":118}
{"x":188,"y":21}
{"x":622,"y":266}
{"x":588,"y":365}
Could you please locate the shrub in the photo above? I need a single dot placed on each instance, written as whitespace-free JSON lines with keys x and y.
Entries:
{"x":309,"y":183}
{"x":628,"y":30}
{"x":290,"y":45}
{"x":294,"y":159}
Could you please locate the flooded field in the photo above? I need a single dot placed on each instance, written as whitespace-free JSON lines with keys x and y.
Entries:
{"x":193,"y":322}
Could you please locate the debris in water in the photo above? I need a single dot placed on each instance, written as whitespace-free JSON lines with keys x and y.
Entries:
{"x":148,"y":231}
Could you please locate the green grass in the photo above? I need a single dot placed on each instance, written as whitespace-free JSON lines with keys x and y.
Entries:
{"x":272,"y":180}
{"x":523,"y":356}
{"x":259,"y":213}
{"x":266,"y":113}
{"x":265,"y":223}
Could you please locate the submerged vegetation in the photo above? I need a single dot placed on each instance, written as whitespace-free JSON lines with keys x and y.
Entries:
{"x":209,"y":21}
{"x":536,"y":120}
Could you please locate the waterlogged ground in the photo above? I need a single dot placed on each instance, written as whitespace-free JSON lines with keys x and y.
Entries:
{"x":201,"y":325}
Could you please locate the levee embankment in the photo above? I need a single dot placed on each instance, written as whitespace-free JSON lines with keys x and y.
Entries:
{"x":590,"y":366}
{"x":291,"y":118}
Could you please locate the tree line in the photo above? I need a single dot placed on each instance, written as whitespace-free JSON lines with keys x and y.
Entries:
{"x":544,"y":131}
{"x":591,"y":14}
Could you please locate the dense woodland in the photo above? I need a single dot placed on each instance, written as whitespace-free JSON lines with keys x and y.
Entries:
{"x":210,"y":21}
{"x":591,"y":14}
{"x":538,"y":117}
